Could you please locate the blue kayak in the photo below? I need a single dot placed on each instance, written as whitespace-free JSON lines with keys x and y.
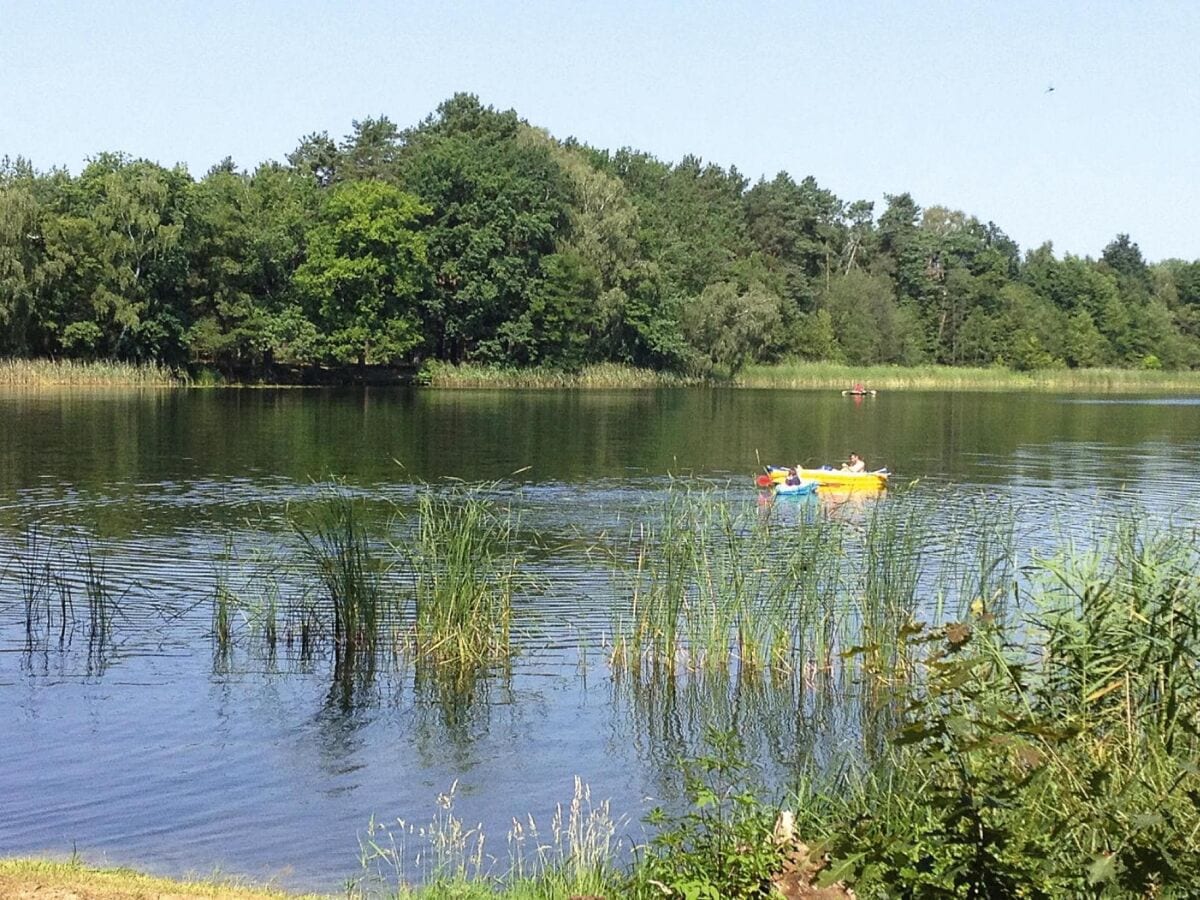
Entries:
{"x":796,"y":490}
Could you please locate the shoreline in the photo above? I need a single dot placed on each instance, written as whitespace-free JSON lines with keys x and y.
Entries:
{"x":42,"y":374}
{"x":47,"y":878}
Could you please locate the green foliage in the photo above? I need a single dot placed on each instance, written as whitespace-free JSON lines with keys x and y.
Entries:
{"x":815,"y":337}
{"x":728,"y":329}
{"x":1069,"y":772}
{"x":720,"y":846}
{"x":245,"y":239}
{"x":473,"y":237}
{"x":500,"y":202}
{"x":866,"y":320}
{"x":366,"y":265}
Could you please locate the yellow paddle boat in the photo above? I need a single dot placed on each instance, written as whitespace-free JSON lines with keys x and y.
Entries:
{"x":839,"y":478}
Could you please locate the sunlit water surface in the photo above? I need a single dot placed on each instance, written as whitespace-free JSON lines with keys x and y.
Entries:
{"x":160,"y":751}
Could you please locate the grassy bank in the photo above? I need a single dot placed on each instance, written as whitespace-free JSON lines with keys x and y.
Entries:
{"x":803,"y":375}
{"x":34,"y":373}
{"x":820,"y":375}
{"x":52,"y":880}
{"x":600,"y":375}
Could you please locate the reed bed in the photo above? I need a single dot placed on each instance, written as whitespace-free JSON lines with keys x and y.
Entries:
{"x":466,"y":569}
{"x":599,"y":375}
{"x":707,"y":586}
{"x":806,"y":375}
{"x":100,"y":373}
{"x":434,"y":589}
{"x":348,"y":565}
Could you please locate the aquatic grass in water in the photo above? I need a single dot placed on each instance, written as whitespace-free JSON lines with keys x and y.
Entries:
{"x":38,"y":588}
{"x":714,"y":583}
{"x":465,"y":568}
{"x":338,"y":547}
{"x":892,"y":552}
{"x":100,"y":603}
{"x":661,"y":580}
{"x":49,"y":575}
{"x":712,"y":587}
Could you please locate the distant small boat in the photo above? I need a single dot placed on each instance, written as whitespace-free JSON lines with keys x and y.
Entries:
{"x":855,"y":392}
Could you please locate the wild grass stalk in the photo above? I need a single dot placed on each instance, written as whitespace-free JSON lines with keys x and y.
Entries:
{"x":102,"y":604}
{"x":446,"y":858}
{"x":981,"y":564}
{"x":224,"y":604}
{"x":47,"y":588}
{"x":51,"y":571}
{"x":37,"y":583}
{"x":466,"y":568}
{"x":652,"y":629}
{"x":893,"y":548}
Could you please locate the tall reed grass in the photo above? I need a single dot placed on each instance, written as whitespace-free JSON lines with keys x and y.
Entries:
{"x":599,"y":375}
{"x":709,"y":587}
{"x":801,"y":375}
{"x":350,"y":569}
{"x":466,"y":568}
{"x":49,"y":372}
{"x":98,"y":593}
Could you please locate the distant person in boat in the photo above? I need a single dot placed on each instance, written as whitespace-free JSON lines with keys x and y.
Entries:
{"x":793,"y":477}
{"x":858,"y":388}
{"x":855,"y":464}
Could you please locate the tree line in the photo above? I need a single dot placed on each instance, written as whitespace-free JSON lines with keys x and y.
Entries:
{"x":473,"y":236}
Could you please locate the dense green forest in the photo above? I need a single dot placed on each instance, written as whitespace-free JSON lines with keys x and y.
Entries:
{"x":476,"y":237}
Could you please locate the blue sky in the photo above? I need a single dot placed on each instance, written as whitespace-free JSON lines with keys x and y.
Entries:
{"x":946,"y":100}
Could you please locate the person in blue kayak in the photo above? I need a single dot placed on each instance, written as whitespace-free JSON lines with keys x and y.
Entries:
{"x":793,"y":477}
{"x":855,"y":464}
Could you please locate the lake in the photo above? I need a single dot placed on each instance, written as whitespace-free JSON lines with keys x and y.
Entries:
{"x":159,"y":749}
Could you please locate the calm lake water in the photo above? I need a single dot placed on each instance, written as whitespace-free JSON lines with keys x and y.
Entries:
{"x":163,"y":753}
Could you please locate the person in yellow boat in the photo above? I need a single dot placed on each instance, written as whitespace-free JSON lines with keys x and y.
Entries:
{"x":855,"y":464}
{"x":793,"y":477}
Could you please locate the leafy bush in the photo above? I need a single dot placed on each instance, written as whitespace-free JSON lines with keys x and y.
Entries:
{"x":721,"y":845}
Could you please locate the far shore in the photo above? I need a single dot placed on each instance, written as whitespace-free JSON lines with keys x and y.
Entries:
{"x":44,"y":373}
